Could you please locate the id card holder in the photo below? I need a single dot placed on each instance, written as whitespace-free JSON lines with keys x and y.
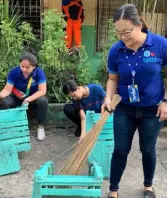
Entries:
{"x":133,"y":93}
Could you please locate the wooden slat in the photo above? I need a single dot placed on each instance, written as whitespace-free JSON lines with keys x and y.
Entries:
{"x":97,"y":171}
{"x":18,"y":140}
{"x":23,"y":108}
{"x":96,"y":117}
{"x":72,"y":192}
{"x":11,"y":116}
{"x":68,"y":180}
{"x":105,"y":137}
{"x":9,"y":136}
{"x":23,"y":147}
{"x":13,"y":130}
{"x":106,"y":143}
{"x":108,"y":130}
{"x":44,"y":169}
{"x":13,"y":124}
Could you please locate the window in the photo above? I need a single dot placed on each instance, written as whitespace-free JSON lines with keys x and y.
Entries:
{"x":30,"y":11}
{"x":105,"y":11}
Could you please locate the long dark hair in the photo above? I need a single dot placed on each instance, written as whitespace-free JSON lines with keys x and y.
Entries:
{"x":131,"y":13}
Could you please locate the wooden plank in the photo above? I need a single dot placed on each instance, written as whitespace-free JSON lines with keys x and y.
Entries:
{"x":72,"y":192}
{"x":22,"y":108}
{"x":9,"y":162}
{"x":96,"y":117}
{"x":97,"y":171}
{"x":11,"y":116}
{"x":18,"y":140}
{"x":70,"y":180}
{"x":106,"y":143}
{"x":13,"y":130}
{"x":105,"y":137}
{"x":23,"y":147}
{"x":44,"y":170}
{"x":13,"y":124}
{"x":8,"y":136}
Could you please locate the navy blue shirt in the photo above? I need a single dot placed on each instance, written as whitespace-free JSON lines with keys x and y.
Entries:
{"x":65,"y":2}
{"x":95,"y":99}
{"x":147,"y":63}
{"x":16,"y":78}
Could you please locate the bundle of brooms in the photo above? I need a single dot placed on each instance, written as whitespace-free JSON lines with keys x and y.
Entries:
{"x":80,"y":154}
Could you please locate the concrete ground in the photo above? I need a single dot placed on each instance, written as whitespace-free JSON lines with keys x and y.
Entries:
{"x":58,"y":139}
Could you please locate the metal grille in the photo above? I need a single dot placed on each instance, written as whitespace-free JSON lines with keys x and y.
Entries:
{"x":30,"y":11}
{"x":105,"y":11}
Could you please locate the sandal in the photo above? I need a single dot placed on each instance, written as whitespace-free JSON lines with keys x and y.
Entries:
{"x":149,"y":194}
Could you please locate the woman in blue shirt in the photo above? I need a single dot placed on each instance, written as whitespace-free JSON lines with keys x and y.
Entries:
{"x":27,"y":84}
{"x":135,"y":64}
{"x":85,"y":98}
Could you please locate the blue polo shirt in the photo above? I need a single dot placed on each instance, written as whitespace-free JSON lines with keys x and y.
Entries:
{"x":16,"y":78}
{"x":147,"y":63}
{"x":95,"y":99}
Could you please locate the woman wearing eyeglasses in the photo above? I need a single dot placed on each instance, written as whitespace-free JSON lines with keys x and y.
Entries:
{"x":27,"y":84}
{"x":134,"y":64}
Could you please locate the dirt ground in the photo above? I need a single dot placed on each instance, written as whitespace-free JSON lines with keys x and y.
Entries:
{"x":59,"y":138}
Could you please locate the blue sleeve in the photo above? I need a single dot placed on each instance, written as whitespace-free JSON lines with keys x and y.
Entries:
{"x":164,"y":52}
{"x":41,"y":78}
{"x":112,"y":61}
{"x":11,"y":79}
{"x":78,"y":104}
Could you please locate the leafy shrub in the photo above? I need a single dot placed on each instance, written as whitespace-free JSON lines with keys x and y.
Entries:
{"x":55,"y":59}
{"x":102,"y":73}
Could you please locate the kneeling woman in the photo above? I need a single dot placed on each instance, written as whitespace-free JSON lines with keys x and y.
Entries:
{"x":27,"y":84}
{"x":84,"y":98}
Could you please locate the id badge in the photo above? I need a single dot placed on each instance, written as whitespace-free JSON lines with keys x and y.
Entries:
{"x":133,"y":93}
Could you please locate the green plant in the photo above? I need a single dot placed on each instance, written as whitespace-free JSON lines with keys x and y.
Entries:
{"x":55,"y":59}
{"x":12,"y":42}
{"x":102,"y":73}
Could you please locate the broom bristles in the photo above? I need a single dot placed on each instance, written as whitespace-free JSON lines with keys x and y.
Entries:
{"x":80,"y":154}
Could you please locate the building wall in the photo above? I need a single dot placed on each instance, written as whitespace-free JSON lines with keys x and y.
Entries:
{"x":52,"y":4}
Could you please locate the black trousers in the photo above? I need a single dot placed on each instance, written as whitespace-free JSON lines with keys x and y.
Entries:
{"x":40,"y":105}
{"x":73,"y":115}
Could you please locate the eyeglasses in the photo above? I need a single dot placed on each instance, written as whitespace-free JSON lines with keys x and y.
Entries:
{"x":126,"y":33}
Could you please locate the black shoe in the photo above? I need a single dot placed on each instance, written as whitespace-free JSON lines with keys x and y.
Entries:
{"x":149,"y":194}
{"x":78,"y":132}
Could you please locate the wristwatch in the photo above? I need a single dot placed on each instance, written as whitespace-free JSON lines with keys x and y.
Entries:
{"x":164,"y":100}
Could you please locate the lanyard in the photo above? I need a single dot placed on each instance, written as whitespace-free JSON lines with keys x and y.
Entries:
{"x":133,"y":72}
{"x":132,"y":69}
{"x":28,"y":87}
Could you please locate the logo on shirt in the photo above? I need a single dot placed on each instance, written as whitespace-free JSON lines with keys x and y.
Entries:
{"x":34,"y":82}
{"x":147,"y":54}
{"x":149,"y":57}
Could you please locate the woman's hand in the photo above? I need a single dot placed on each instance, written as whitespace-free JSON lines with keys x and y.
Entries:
{"x":83,"y":135}
{"x":162,"y":111}
{"x":26,"y":101}
{"x":106,"y":104}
